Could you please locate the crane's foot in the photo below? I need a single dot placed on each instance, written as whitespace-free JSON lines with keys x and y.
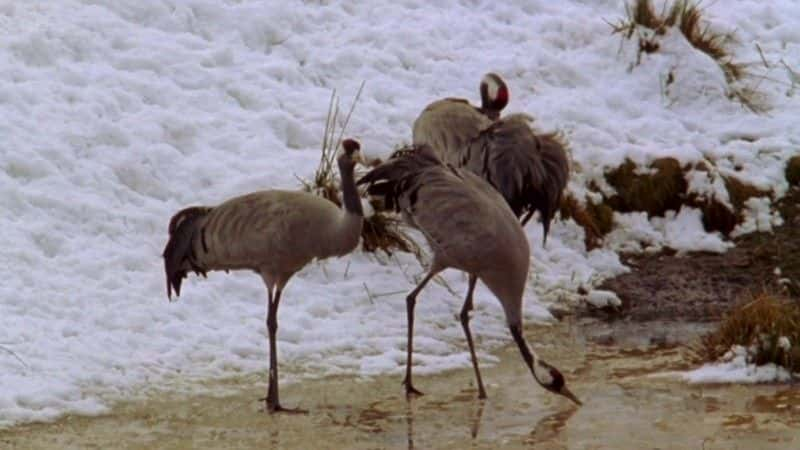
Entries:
{"x":281,"y":409}
{"x":274,"y":407}
{"x":411,"y":391}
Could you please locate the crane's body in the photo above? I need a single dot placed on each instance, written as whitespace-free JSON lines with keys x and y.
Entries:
{"x":469,"y":227}
{"x":274,"y":233}
{"x":529,"y":169}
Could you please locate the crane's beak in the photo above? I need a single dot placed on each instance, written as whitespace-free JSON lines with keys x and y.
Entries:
{"x":567,"y":393}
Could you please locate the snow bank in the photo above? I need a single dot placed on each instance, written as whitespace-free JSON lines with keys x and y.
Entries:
{"x":116,"y":114}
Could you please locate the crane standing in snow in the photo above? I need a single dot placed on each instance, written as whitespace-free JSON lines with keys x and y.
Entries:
{"x":274,"y":233}
{"x":470,"y":228}
{"x":529,"y":170}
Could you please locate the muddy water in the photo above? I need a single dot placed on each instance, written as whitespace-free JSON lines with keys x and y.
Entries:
{"x":617,"y":371}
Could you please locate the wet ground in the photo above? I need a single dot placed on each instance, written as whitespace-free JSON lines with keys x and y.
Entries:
{"x":701,"y":287}
{"x":630,"y":401}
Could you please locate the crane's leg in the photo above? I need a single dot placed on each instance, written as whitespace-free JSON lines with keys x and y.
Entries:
{"x":273,"y":402}
{"x":465,"y":324}
{"x":527,"y":217}
{"x":411,"y":301}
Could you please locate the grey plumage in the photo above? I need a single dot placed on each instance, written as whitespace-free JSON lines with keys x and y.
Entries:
{"x":274,"y":233}
{"x":469,"y":227}
{"x":529,"y":169}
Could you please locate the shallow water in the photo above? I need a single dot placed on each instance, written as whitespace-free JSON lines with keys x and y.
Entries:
{"x":630,"y":401}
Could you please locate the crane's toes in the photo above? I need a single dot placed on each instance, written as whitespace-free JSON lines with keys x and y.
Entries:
{"x":411,"y":391}
{"x":272,"y":407}
{"x":280,"y":409}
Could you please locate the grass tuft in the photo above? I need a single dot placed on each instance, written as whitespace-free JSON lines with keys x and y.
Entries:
{"x":687,"y":17}
{"x":793,"y":171}
{"x":654,"y":193}
{"x":759,"y":323}
{"x":380,"y":231}
{"x":596,"y":220}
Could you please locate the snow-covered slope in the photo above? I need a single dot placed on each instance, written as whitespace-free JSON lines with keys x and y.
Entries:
{"x":113,"y":115}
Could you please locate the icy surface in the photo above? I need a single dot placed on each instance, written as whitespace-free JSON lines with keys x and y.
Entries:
{"x":113,"y":115}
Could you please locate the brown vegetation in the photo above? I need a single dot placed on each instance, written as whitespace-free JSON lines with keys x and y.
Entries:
{"x":687,"y":17}
{"x":760,"y":322}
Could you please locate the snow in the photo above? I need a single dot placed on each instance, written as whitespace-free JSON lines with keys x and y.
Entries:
{"x":602,"y":299}
{"x":736,"y":369}
{"x":682,"y":232}
{"x":114,"y":115}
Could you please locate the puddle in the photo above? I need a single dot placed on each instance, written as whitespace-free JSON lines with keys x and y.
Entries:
{"x":625,"y":406}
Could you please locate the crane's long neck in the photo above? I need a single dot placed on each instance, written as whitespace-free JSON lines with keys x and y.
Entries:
{"x":540,"y":374}
{"x":350,"y":198}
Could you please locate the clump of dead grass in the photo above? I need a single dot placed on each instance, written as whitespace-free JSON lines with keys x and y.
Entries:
{"x":381,"y":230}
{"x":661,"y":189}
{"x":764,"y":323}
{"x":687,"y":16}
{"x":793,"y":171}
{"x":597,"y":220}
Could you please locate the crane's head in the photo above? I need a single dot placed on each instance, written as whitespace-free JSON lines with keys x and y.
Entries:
{"x":546,"y":375}
{"x":551,"y":379}
{"x":494,"y":95}
{"x":351,"y":153}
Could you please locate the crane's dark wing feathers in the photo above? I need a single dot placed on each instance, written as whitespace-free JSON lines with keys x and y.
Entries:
{"x":397,"y":180}
{"x":530,"y":171}
{"x":178,"y":254}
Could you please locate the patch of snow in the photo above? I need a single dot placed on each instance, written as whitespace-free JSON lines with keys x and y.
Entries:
{"x":758,"y":216}
{"x":737,"y":369}
{"x":602,"y":299}
{"x":683,"y":232}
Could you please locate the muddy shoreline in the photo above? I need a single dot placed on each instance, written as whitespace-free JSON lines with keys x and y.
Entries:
{"x":631,"y":400}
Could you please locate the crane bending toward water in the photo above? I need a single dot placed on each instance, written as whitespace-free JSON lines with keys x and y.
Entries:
{"x":274,"y":233}
{"x":470,"y":228}
{"x":529,"y":169}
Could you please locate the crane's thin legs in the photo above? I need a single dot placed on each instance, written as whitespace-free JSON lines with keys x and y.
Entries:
{"x":526,"y":218}
{"x":465,"y":324}
{"x":411,"y":301}
{"x":273,"y":402}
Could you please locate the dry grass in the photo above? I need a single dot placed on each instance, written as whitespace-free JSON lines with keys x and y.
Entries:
{"x":654,"y":193}
{"x":380,"y":231}
{"x":793,"y":171}
{"x":596,"y":220}
{"x":760,"y":321}
{"x":385,"y":232}
{"x":687,"y":16}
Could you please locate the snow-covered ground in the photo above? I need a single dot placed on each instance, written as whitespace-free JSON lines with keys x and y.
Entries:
{"x":115,"y":114}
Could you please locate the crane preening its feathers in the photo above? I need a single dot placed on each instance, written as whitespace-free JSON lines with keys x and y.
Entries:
{"x":274,"y":233}
{"x":469,"y":227}
{"x":529,"y":169}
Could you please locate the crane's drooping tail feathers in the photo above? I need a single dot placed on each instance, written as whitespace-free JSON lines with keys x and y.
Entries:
{"x":556,"y":171}
{"x":178,"y":253}
{"x":530,"y":171}
{"x":399,"y":176}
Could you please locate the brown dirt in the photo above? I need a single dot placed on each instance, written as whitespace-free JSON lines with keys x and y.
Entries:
{"x":701,"y":287}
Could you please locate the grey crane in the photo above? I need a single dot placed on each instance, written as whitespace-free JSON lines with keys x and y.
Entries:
{"x":529,"y":169}
{"x":274,"y":233}
{"x":470,"y":228}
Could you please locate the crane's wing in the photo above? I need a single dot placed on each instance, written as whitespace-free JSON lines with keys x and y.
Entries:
{"x":530,"y":171}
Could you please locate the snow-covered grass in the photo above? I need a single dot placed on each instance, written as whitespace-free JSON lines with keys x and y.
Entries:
{"x":116,"y":114}
{"x":737,"y":367}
